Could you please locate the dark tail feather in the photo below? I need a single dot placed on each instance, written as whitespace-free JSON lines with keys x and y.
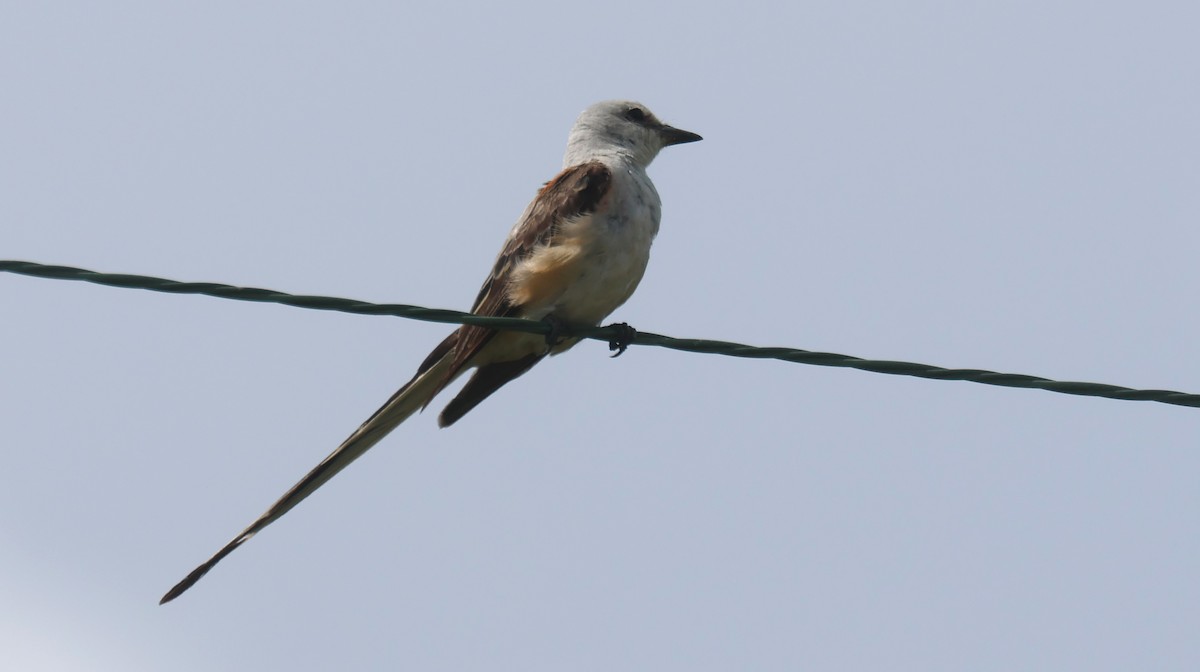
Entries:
{"x":485,"y":381}
{"x":199,"y":572}
{"x":408,"y":400}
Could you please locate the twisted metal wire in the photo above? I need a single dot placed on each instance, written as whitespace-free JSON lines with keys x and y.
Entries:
{"x":610,"y":334}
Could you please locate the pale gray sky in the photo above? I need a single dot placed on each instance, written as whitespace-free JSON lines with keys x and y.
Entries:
{"x":1011,"y":186}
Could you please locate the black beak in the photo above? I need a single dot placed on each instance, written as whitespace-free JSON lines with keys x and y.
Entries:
{"x":676,"y":136}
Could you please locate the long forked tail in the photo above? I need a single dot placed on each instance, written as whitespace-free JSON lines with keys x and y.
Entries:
{"x":406,"y":401}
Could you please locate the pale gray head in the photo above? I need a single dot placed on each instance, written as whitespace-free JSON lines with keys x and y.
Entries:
{"x":621,"y":128}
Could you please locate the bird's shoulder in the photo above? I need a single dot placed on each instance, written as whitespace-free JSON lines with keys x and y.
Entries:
{"x":576,"y":191}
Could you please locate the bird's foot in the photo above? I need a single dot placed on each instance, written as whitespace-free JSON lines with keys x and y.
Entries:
{"x":558,"y":330}
{"x":625,"y":335}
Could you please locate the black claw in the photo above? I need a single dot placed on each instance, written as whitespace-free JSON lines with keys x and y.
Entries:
{"x":624,"y":336}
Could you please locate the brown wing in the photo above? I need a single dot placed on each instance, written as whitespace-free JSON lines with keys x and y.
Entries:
{"x":575,"y":191}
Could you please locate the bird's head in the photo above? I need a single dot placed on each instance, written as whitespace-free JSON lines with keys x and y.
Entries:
{"x":621,"y":127}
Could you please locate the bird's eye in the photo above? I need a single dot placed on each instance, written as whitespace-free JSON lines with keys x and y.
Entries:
{"x":635,"y":114}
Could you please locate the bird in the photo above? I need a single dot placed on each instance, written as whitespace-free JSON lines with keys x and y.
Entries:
{"x":574,"y":256}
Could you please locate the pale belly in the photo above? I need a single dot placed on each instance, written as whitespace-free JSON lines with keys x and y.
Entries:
{"x":593,"y":268}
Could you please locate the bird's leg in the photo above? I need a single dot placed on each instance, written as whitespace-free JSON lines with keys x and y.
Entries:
{"x":624,"y":336}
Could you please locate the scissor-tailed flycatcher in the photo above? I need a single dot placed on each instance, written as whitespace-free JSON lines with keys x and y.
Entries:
{"x":576,"y":254}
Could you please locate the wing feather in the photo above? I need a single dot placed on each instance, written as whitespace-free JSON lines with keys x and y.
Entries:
{"x":576,"y":191}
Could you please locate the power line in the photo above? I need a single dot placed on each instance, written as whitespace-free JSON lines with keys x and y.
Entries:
{"x":611,"y":334}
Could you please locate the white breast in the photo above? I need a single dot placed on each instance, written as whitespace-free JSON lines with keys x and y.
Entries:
{"x":614,"y":248}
